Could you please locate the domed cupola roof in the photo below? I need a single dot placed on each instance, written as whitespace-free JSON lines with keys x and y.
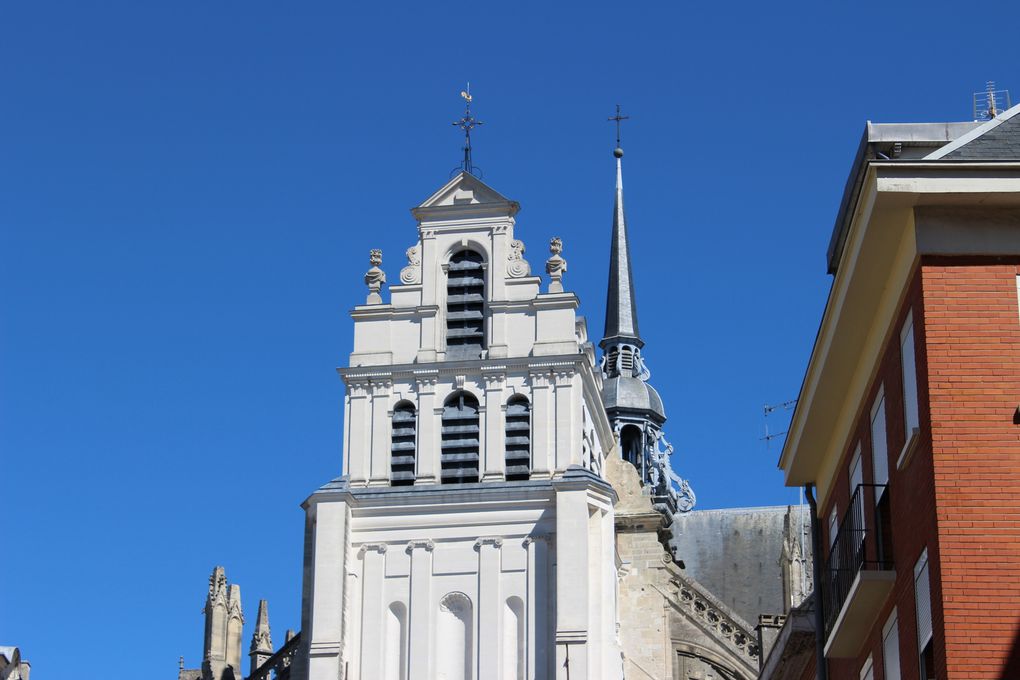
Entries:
{"x":626,"y":392}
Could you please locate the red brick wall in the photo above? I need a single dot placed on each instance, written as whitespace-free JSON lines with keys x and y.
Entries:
{"x":972,"y":338}
{"x":959,"y":496}
{"x":912,"y":494}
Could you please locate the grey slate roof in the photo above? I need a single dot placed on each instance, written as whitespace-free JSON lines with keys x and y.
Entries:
{"x":628,"y":392}
{"x":1001,"y":143}
{"x":621,"y":305}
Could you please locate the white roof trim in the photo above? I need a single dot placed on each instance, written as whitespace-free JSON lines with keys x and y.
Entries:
{"x":973,"y":134}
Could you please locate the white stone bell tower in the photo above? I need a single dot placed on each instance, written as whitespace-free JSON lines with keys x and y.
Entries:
{"x":471,"y":534}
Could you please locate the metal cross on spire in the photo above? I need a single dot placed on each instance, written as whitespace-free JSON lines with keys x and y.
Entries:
{"x":468,"y":123}
{"x":618,"y":118}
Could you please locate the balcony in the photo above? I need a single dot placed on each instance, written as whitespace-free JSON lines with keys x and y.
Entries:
{"x":858,"y":574}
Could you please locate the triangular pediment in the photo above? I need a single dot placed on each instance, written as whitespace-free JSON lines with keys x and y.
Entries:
{"x":466,"y":190}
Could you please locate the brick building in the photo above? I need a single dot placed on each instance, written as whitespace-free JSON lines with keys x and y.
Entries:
{"x":907,"y":430}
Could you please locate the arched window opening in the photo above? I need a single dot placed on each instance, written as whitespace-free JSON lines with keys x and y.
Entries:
{"x":465,"y":306}
{"x":402,"y":444}
{"x":518,"y":439}
{"x":460,"y":439}
{"x":453,"y":638}
{"x":630,"y":445}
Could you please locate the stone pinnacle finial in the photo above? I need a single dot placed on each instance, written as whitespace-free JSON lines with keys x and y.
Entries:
{"x":260,"y":639}
{"x":374,"y":277}
{"x":556,"y":266}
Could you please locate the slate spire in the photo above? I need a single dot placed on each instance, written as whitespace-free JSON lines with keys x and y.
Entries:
{"x":621,"y":305}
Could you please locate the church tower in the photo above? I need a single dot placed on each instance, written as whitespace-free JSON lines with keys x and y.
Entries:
{"x":634,"y":407}
{"x":471,"y":534}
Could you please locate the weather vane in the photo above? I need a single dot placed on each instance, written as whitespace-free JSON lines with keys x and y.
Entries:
{"x":467,"y":123}
{"x":618,"y":151}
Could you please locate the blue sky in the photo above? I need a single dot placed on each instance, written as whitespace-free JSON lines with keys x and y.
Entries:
{"x":190,"y":191}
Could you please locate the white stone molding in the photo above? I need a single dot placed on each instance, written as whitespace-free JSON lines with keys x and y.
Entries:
{"x":358,"y":388}
{"x":426,"y":384}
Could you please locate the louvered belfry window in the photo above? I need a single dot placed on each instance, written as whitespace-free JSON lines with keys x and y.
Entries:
{"x":518,"y":439}
{"x":402,"y":446}
{"x":465,"y":306}
{"x":460,"y":439}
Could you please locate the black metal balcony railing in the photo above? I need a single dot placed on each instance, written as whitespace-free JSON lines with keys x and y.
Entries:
{"x":862,"y":542}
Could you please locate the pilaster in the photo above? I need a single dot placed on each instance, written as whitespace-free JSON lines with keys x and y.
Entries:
{"x":490,"y":607}
{"x":427,"y":453}
{"x":494,"y":465}
{"x":380,"y":433}
{"x":329,"y":520}
{"x":430,"y":326}
{"x":566,"y":453}
{"x":572,"y":583}
{"x":373,"y":609}
{"x":358,"y":432}
{"x":541,"y":432}
{"x":419,"y":610}
{"x":538,"y":616}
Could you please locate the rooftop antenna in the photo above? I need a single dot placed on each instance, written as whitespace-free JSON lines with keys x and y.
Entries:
{"x":467,"y":123}
{"x":991,"y":102}
{"x":771,"y":408}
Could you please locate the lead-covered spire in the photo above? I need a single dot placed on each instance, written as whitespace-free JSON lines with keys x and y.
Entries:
{"x":621,"y":304}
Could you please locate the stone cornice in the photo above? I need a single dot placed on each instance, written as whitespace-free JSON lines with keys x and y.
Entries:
{"x":354,"y":374}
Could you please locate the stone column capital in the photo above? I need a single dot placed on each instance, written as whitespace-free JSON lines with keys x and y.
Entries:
{"x":372,"y":547}
{"x":494,"y":541}
{"x":428,"y":544}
